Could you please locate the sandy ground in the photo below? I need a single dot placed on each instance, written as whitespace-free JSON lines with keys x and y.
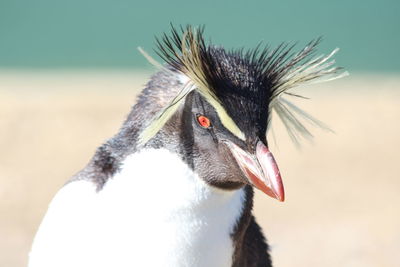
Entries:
{"x":343,"y":190}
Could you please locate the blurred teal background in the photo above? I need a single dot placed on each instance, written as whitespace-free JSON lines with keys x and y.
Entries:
{"x":105,"y":34}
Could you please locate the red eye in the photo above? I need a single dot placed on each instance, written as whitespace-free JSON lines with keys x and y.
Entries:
{"x":204,"y":121}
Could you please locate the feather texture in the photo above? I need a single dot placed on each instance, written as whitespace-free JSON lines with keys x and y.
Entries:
{"x":301,"y":69}
{"x":186,"y":54}
{"x":276,"y":71}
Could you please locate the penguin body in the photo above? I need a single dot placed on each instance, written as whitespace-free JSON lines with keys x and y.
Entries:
{"x":182,"y":221}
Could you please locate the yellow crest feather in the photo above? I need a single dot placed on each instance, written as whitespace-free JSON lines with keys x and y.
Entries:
{"x":192,"y":67}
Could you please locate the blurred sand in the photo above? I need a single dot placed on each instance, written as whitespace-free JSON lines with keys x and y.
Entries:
{"x":343,"y":191}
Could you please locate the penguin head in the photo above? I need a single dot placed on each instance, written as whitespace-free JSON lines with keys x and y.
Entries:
{"x":222,"y":109}
{"x":222,"y":158}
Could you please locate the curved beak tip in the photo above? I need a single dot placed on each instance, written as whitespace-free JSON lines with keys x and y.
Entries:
{"x":281,"y":197}
{"x":276,"y":192}
{"x":260,"y":169}
{"x":272,"y":177}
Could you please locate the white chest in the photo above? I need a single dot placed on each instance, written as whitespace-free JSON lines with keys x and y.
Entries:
{"x":154,"y":212}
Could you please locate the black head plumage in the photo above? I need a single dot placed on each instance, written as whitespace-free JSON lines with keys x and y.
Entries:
{"x":243,"y":86}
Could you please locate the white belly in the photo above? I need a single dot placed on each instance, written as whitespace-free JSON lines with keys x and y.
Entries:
{"x":154,"y":212}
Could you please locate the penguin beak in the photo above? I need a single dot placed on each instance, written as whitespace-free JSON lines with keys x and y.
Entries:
{"x":260,"y":169}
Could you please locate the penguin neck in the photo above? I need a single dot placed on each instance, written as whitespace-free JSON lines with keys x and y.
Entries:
{"x":166,"y":174}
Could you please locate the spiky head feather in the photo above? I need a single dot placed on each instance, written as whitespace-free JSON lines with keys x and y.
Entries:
{"x":236,"y":81}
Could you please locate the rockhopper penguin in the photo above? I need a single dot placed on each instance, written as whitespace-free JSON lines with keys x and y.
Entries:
{"x":174,"y":187}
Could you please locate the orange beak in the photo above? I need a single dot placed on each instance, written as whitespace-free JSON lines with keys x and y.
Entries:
{"x":260,"y":169}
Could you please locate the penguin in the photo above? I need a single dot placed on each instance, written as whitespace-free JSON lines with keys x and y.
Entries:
{"x":175,"y":185}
